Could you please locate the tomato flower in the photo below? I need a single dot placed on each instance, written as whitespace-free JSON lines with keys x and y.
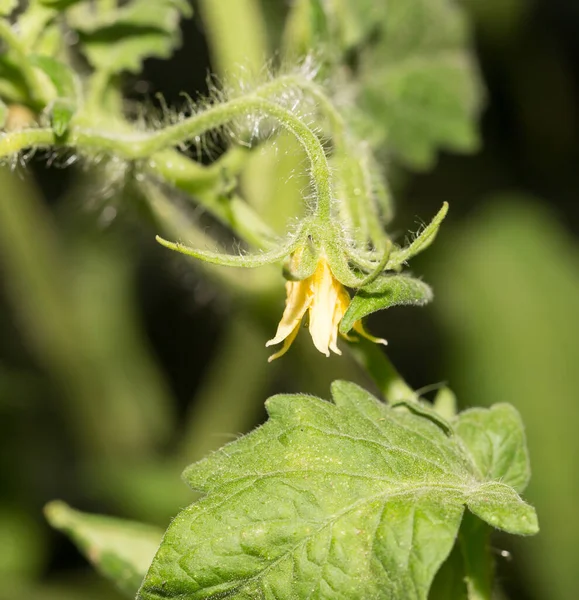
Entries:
{"x":326,"y":301}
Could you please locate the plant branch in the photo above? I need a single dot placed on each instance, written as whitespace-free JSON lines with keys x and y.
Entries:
{"x":136,"y":145}
{"x":378,"y":366}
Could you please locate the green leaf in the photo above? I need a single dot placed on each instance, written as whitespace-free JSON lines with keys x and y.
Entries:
{"x":495,"y":438}
{"x":63,"y":78}
{"x":121,"y":550}
{"x":420,"y":89}
{"x":384,"y":292}
{"x":7,"y":6}
{"x":500,"y":506}
{"x":121,"y":39}
{"x":420,"y":243}
{"x":349,"y":500}
{"x":67,"y":87}
{"x":13,"y":86}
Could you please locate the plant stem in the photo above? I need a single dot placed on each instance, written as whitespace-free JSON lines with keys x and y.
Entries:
{"x":474,"y":541}
{"x":237,"y":34}
{"x":134,"y":146}
{"x":208,"y":186}
{"x":175,"y":223}
{"x":382,"y":371}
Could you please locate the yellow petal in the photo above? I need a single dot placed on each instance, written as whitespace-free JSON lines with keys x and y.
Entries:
{"x":359,"y":328}
{"x":325,"y":297}
{"x":297,"y":302}
{"x":339,"y":310}
{"x":286,"y":344}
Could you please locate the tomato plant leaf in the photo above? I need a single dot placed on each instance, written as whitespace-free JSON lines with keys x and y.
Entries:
{"x":120,"y":550}
{"x":351,"y":499}
{"x":495,"y":439}
{"x":419,"y":91}
{"x":121,"y":39}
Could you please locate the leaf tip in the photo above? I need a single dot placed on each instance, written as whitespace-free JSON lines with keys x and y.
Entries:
{"x":57,"y":513}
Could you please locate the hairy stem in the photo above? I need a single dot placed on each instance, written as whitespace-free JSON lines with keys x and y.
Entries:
{"x":378,"y":366}
{"x":474,"y":541}
{"x":134,"y":146}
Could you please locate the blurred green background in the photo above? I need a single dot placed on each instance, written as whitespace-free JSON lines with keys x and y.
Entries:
{"x":121,"y":363}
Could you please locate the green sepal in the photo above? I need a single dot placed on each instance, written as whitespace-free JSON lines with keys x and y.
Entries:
{"x":305,"y":28}
{"x":422,"y":241}
{"x":120,"y":550}
{"x":13,"y":87}
{"x":334,"y":247}
{"x":384,"y":292}
{"x":231,"y":260}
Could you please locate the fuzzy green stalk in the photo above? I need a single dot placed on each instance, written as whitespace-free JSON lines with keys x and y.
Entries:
{"x":135,"y":146}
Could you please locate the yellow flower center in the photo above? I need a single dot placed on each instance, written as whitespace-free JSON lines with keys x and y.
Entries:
{"x":326,"y":300}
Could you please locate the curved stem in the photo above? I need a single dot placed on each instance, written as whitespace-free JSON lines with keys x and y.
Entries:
{"x":134,"y":146}
{"x":361,"y":198}
{"x":15,"y":141}
{"x":382,"y":371}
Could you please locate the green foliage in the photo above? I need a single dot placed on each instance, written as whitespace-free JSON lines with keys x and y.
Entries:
{"x":121,"y":39}
{"x":384,"y":292}
{"x":502,"y":452}
{"x":352,"y":499}
{"x":67,"y":87}
{"x":418,"y":82}
{"x":7,"y":6}
{"x":121,"y":550}
{"x":417,"y":89}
